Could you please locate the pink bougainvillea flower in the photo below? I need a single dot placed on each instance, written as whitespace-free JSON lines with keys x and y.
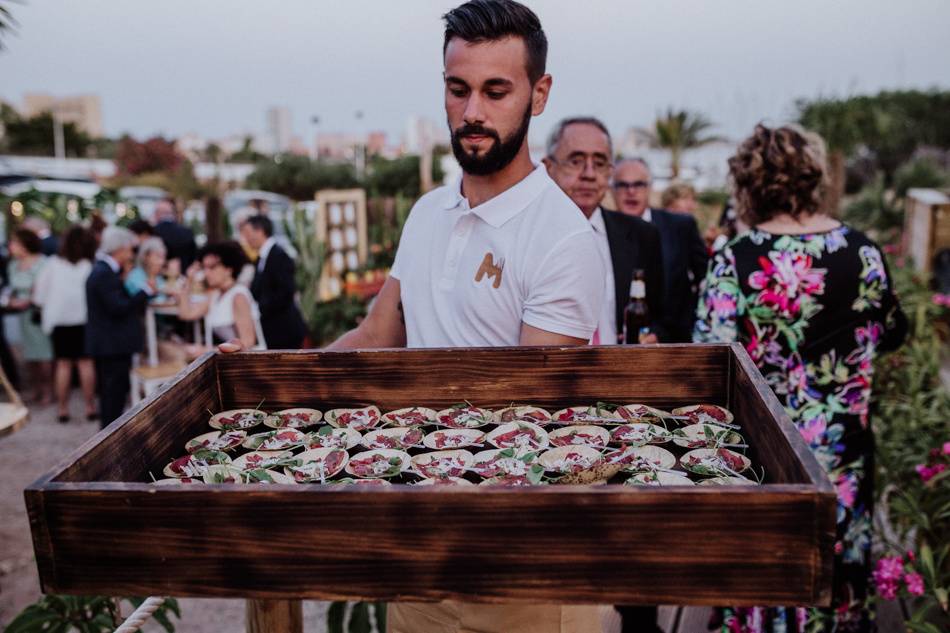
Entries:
{"x":929,"y":472}
{"x":915,"y":584}
{"x":946,"y":448}
{"x":887,"y":576}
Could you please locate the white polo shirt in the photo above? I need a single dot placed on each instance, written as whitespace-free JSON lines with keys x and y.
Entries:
{"x":470,"y":277}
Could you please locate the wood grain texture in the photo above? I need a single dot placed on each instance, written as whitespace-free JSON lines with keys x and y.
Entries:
{"x":486,"y":376}
{"x":577,"y":545}
{"x":95,"y":533}
{"x":274,"y":616}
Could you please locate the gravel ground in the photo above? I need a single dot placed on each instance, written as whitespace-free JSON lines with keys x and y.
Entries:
{"x":27,"y":454}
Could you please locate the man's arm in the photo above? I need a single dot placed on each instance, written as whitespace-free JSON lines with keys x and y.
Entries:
{"x":384,"y":326}
{"x":531,"y":336}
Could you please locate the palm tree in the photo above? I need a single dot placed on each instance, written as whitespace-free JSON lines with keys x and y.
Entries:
{"x":679,"y":130}
{"x":7,"y":24}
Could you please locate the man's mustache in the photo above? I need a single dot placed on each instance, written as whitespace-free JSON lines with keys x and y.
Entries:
{"x":476,"y":130}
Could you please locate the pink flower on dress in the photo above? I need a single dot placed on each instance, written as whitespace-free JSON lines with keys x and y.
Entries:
{"x":915,"y":584}
{"x":723,"y":305}
{"x":812,"y":430}
{"x":846,"y":487}
{"x":784,"y":279}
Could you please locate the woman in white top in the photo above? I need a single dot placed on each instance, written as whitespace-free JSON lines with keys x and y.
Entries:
{"x":230,"y":309}
{"x":60,"y":291}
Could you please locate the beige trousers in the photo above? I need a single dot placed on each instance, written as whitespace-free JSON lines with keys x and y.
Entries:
{"x":464,"y":617}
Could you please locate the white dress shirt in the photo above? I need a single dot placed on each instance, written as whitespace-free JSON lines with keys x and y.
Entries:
{"x":607,"y":321}
{"x":264,"y":252}
{"x":647,"y":215}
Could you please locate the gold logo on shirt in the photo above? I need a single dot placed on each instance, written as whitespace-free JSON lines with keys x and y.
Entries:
{"x":489,"y":268}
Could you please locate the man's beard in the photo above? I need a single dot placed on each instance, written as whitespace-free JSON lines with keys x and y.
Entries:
{"x":498,"y":156}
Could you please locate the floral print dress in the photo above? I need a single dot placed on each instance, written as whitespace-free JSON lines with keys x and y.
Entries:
{"x":812,"y":311}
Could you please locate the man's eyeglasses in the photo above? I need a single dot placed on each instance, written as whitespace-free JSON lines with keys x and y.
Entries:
{"x":631,"y":185}
{"x":576,"y":164}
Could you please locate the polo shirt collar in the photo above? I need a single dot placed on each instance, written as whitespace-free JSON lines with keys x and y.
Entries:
{"x":505,"y":205}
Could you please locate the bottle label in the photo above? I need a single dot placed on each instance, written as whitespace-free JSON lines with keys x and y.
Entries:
{"x":637,"y":289}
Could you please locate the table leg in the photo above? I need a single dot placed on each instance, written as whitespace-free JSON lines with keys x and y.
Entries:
{"x":274,"y":616}
{"x":151,"y":336}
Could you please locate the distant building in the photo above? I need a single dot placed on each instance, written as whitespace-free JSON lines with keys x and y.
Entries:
{"x":280,"y":128}
{"x":422,"y":132}
{"x":83,"y":110}
{"x":375,"y":143}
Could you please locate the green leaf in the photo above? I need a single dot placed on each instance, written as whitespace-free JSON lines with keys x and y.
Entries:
{"x":359,"y":619}
{"x":335,"y":615}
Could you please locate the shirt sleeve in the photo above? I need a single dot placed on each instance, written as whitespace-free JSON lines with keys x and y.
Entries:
{"x":567,"y":288}
{"x":720,"y":301}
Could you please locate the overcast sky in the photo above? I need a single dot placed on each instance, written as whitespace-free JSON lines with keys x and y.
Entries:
{"x":214,"y":66}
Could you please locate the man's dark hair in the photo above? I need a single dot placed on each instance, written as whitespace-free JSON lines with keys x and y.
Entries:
{"x":229,"y":253}
{"x":30,"y":240}
{"x":262,"y":223}
{"x":141,"y":227}
{"x":78,"y":243}
{"x":492,"y":20}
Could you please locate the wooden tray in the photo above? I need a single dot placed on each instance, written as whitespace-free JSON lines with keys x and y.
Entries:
{"x":97,"y":529}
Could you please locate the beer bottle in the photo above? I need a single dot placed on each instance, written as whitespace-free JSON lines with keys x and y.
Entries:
{"x":636,"y":315}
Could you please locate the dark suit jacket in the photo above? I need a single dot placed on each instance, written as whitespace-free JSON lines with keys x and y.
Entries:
{"x":684,"y":266}
{"x":635,"y":243}
{"x":273,"y":289}
{"x":114,"y":324}
{"x":179,"y":242}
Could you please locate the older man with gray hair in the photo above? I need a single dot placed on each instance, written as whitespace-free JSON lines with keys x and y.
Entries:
{"x":114,"y":328}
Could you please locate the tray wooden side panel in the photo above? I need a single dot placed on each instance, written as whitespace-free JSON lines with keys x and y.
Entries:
{"x":567,"y":545}
{"x":488,"y":377}
{"x":144,"y":438}
{"x":776,"y":444}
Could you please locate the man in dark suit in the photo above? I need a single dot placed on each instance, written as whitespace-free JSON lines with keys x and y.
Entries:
{"x":578,"y":160}
{"x":274,"y":286}
{"x":114,"y":327}
{"x":684,"y":251}
{"x":179,"y":239}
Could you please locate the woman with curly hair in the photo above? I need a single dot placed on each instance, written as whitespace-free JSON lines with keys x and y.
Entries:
{"x":811,"y":300}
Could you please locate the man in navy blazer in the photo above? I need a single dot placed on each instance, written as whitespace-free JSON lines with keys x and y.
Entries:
{"x":114,"y":325}
{"x":274,"y":286}
{"x":684,"y":252}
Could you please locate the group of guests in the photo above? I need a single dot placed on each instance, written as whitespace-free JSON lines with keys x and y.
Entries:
{"x":81,"y":307}
{"x":808,"y":296}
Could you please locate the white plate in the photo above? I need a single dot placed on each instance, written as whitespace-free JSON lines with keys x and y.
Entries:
{"x":401,"y":438}
{"x":641,"y":413}
{"x":256,"y":460}
{"x":659,"y":479}
{"x":453,"y":438}
{"x":222,"y":474}
{"x":596,"y":436}
{"x":528,"y":436}
{"x":359,"y":419}
{"x":391,"y":469}
{"x":194,"y":464}
{"x":409,"y":416}
{"x":216,"y":441}
{"x":332,"y":438}
{"x":509,"y":465}
{"x":239,"y":419}
{"x":712,"y":462}
{"x":445,"y":481}
{"x":585,"y":415}
{"x":442,"y":464}
{"x":708,"y":413}
{"x":274,"y":440}
{"x":727,"y":481}
{"x":524,"y":412}
{"x":314,"y":466}
{"x":639,"y":434}
{"x":464,"y":417}
{"x":643,"y":458}
{"x":272,"y":477}
{"x":694,"y":436}
{"x":569,"y":459}
{"x":302,"y":418}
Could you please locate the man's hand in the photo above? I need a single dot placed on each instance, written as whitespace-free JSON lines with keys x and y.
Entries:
{"x":229,"y":347}
{"x":649,"y":339}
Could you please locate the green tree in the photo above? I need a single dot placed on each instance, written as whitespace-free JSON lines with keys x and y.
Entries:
{"x":247,"y":153}
{"x":300,"y":177}
{"x":34,"y":135}
{"x":7,"y":25}
{"x":399,"y":176}
{"x":680,"y":130}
